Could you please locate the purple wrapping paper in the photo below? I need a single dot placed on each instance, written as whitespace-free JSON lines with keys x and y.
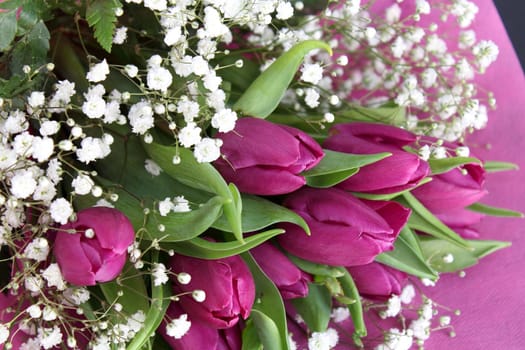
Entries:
{"x":491,"y":296}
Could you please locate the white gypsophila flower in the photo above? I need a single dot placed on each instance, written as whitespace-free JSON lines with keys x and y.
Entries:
{"x":4,"y":236}
{"x":141,"y":117}
{"x":399,"y":47}
{"x":49,"y":127}
{"x":49,"y":337}
{"x":60,"y":210}
{"x":98,"y":72}
{"x":15,"y":123}
{"x":43,"y":148}
{"x":8,"y":157}
{"x":323,"y":340}
{"x":198,"y":295}
{"x":94,"y":106}
{"x":64,"y":91}
{"x":121,"y":34}
{"x":393,"y":14}
{"x":184,"y":278}
{"x":92,"y":149}
{"x":284,"y":10}
{"x":160,"y":276}
{"x":131,"y":70}
{"x":393,"y":307}
{"x":53,"y":276}
{"x":156,"y":5}
{"x":216,"y":99}
{"x":136,"y":321}
{"x":463,"y":151}
{"x":54,"y":171}
{"x":4,"y":333}
{"x":49,"y":314}
{"x":207,"y":47}
{"x":34,"y":311}
{"x":396,"y":340}
{"x":207,"y":150}
{"x":311,"y":98}
{"x":340,"y":314}
{"x":422,"y":7}
{"x":181,"y":205}
{"x":159,"y":78}
{"x":152,"y":168}
{"x":23,"y":144}
{"x":407,"y":294}
{"x":224,"y":120}
{"x":82,"y":184}
{"x":165,"y":206}
{"x":37,"y":249}
{"x":467,"y":38}
{"x":183,"y":67}
{"x":33,"y":283}
{"x":439,"y":152}
{"x":189,"y":109}
{"x":199,"y":66}
{"x":23,"y":184}
{"x":420,"y":328}
{"x":486,"y":52}
{"x":178,"y":327}
{"x":76,"y":295}
{"x":104,"y":203}
{"x":31,"y":344}
{"x":311,"y":73}
{"x":172,"y":36}
{"x":112,"y":112}
{"x":211,"y":81}
{"x":36,"y":99}
{"x":213,"y":23}
{"x":189,"y":135}
{"x":464,"y":70}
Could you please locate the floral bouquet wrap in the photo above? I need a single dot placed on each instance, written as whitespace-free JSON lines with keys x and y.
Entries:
{"x":223,"y":175}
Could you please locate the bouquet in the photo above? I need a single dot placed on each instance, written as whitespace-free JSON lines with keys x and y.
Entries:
{"x":238,"y":174}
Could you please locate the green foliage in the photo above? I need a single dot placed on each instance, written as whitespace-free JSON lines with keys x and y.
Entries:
{"x":100,"y":15}
{"x":494,"y":166}
{"x":440,"y":166}
{"x":31,"y":49}
{"x":315,"y":308}
{"x":265,"y":93}
{"x":8,"y":27}
{"x":494,"y":211}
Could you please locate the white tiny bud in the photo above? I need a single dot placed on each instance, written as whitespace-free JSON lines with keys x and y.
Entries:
{"x":342,"y":60}
{"x":176,"y":159}
{"x":184,"y":278}
{"x":199,"y":295}
{"x":117,"y":307}
{"x":125,"y":96}
{"x":160,"y":109}
{"x":444,"y":321}
{"x":71,"y":342}
{"x":161,"y":228}
{"x":239,"y":63}
{"x":148,"y":138}
{"x":26,"y":69}
{"x":89,"y":233}
{"x":119,"y":11}
{"x":334,"y":100}
{"x":96,"y":191}
{"x":172,"y":107}
{"x":448,"y":258}
{"x":113,"y":197}
{"x":50,"y":66}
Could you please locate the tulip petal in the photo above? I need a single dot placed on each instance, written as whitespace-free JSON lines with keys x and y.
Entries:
{"x":75,"y":266}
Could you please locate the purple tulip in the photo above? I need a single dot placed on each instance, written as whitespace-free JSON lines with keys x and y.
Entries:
{"x":264,"y":158}
{"x":345,"y":231}
{"x":377,"y":281}
{"x":401,"y":171}
{"x":200,"y":335}
{"x":97,"y":250}
{"x":228,"y":284}
{"x":291,"y":282}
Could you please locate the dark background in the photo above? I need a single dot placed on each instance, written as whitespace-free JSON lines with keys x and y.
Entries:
{"x":513,"y":14}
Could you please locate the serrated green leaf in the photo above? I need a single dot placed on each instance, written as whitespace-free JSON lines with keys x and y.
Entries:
{"x":8,"y":27}
{"x":494,"y":211}
{"x":317,"y":269}
{"x":270,"y":316}
{"x":315,"y":308}
{"x":204,"y":249}
{"x":406,"y":258}
{"x":258,"y":213}
{"x":100,"y":15}
{"x":493,"y":166}
{"x":435,"y":250}
{"x":423,"y":220}
{"x":440,"y":166}
{"x":336,"y":167}
{"x":265,"y":93}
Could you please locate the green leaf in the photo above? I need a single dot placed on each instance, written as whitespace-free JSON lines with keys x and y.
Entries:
{"x":356,"y":308}
{"x":8,"y":27}
{"x":135,"y":295}
{"x":265,"y":93}
{"x":389,"y":113}
{"x":258,"y":213}
{"x":493,"y":166}
{"x":11,"y":4}
{"x":268,"y":313}
{"x":204,"y":249}
{"x":317,"y":269}
{"x":338,"y":166}
{"x":440,"y":166}
{"x":315,"y":308}
{"x":423,"y":220}
{"x":32,"y":49}
{"x":201,"y":176}
{"x":100,"y":15}
{"x":160,"y":300}
{"x":389,"y":196}
{"x":250,"y":338}
{"x":406,"y":258}
{"x":494,"y":211}
{"x":435,"y":250}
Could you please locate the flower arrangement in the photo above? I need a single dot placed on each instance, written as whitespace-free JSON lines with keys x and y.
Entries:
{"x":238,"y":174}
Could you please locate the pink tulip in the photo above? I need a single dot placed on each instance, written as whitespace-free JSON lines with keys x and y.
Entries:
{"x":345,"y":231}
{"x":228,"y":284}
{"x":264,"y":158}
{"x":401,"y":171}
{"x":200,"y":335}
{"x":96,"y":249}
{"x":377,"y":281}
{"x":291,"y":282}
